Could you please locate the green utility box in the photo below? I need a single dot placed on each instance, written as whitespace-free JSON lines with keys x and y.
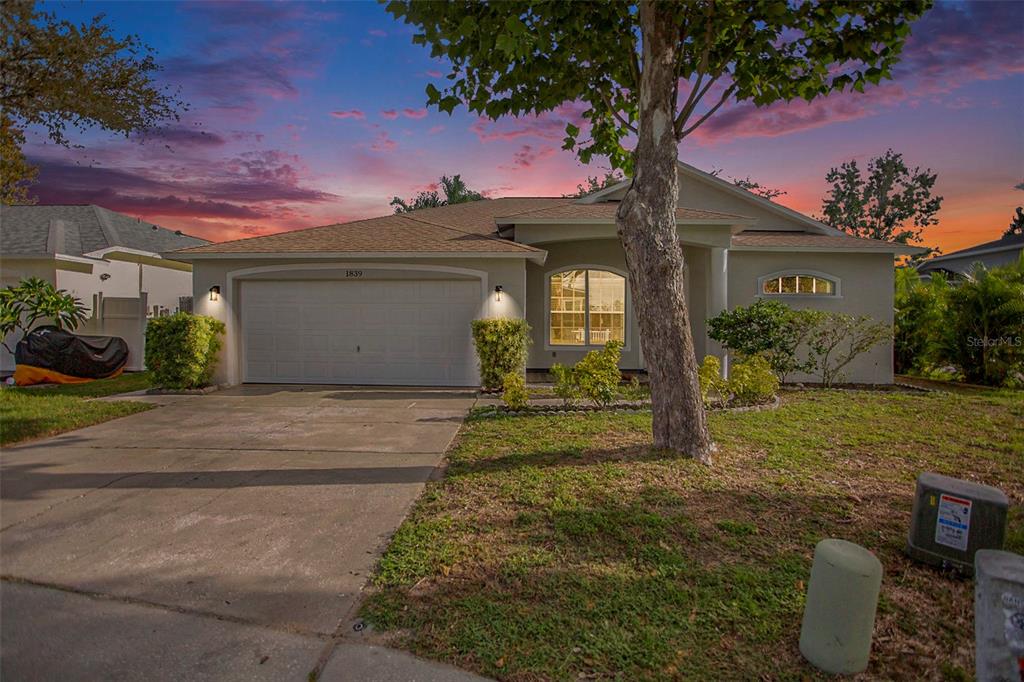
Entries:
{"x":953,"y":519}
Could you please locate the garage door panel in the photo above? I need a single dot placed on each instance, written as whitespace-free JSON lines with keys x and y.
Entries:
{"x":367,"y":332}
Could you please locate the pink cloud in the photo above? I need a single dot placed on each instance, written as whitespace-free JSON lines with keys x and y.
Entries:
{"x":527,"y":155}
{"x":748,"y":120}
{"x":414,"y":113}
{"x":383,"y":143}
{"x":389,"y":114}
{"x":435,"y":130}
{"x":352,"y":113}
{"x":434,"y":73}
{"x":376,"y":32}
{"x":548,"y":126}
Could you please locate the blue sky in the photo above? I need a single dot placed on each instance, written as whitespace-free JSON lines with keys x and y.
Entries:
{"x":309,"y":113}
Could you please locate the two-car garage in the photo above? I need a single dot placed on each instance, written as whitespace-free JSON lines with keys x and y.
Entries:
{"x":401,"y":331}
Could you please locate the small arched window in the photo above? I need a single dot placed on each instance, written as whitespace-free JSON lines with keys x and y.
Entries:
{"x":586,"y":307}
{"x":798,"y":284}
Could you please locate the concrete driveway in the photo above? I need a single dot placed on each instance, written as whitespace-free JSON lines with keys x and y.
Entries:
{"x":223,"y":536}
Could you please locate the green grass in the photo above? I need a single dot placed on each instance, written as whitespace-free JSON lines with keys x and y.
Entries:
{"x":560,"y":547}
{"x":27,"y":413}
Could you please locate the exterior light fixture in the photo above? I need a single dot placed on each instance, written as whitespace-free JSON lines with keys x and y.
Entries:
{"x":497,"y":293}
{"x":105,"y":276}
{"x":215,"y":293}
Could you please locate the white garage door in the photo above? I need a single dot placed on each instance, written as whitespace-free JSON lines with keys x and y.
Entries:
{"x":397,"y":332}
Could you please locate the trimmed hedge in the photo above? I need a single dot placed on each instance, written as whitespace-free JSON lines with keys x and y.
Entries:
{"x":181,"y":350}
{"x":501,"y":345}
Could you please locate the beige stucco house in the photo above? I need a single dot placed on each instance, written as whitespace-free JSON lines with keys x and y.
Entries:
{"x":389,"y":300}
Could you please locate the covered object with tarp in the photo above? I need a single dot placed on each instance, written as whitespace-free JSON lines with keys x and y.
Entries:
{"x":53,"y":355}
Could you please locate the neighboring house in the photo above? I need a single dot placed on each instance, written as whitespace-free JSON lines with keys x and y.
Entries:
{"x":111,"y":261}
{"x":389,"y":300}
{"x":1004,"y":251}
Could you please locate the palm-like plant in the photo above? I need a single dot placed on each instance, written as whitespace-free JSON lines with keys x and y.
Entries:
{"x":33,"y":300}
{"x":984,"y":325}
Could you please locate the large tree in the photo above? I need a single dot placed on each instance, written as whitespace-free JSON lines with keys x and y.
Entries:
{"x":648,"y":74}
{"x":56,"y":74}
{"x":891,"y":202}
{"x":454,"y":189}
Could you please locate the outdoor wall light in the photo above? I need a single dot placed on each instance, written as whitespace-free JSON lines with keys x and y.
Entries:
{"x":497,"y":293}
{"x":105,"y":276}
{"x":215,"y":293}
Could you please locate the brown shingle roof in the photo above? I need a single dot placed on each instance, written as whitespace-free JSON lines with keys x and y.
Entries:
{"x":605,"y":212}
{"x":782,"y":239}
{"x":394,"y":233}
{"x":479,"y":216}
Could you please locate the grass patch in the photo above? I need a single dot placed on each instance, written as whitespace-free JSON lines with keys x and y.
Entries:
{"x":563,"y":546}
{"x":27,"y":413}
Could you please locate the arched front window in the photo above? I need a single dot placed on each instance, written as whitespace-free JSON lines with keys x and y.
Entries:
{"x":587,"y":307}
{"x":798,"y":284}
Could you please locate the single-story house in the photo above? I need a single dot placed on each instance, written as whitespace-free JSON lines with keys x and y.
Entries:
{"x":111,"y":261}
{"x":1003,"y":251}
{"x":389,"y":300}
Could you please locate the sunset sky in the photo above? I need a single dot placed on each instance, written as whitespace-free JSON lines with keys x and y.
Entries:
{"x":304,"y":114}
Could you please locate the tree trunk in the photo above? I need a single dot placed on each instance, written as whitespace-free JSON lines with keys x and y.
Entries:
{"x":646,"y":223}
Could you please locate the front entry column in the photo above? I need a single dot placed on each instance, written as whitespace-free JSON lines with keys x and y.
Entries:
{"x":718,"y":298}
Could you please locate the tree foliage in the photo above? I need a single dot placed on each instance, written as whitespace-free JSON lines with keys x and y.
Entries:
{"x":892,"y":202}
{"x":769,"y":193}
{"x":454,"y":189}
{"x":57,"y":74}
{"x":1017,"y":224}
{"x":33,"y":300}
{"x":16,"y":173}
{"x":757,"y":188}
{"x":596,"y":183}
{"x":516,"y":58}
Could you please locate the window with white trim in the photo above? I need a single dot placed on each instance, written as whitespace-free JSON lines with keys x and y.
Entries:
{"x":797,"y":284}
{"x":586,"y":308}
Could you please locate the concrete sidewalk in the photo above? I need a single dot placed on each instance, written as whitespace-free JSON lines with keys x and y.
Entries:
{"x":222,"y":536}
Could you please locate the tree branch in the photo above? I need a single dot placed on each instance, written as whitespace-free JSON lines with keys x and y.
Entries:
{"x":725,"y":95}
{"x":615,"y":112}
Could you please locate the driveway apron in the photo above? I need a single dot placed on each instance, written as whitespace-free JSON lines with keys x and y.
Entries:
{"x":236,"y":529}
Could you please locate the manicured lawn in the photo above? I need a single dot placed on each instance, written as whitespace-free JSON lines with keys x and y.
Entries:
{"x":564,"y":547}
{"x":45,"y":411}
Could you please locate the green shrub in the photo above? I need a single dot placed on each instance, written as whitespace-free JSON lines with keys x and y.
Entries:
{"x":501,"y":345}
{"x":635,"y":391}
{"x":566,"y":386}
{"x":514,"y":393}
{"x":714,"y":389}
{"x":752,"y":380}
{"x":983,"y":330}
{"x":768,"y":328}
{"x":181,"y":350}
{"x":597,"y":374}
{"x":918,"y":321}
{"x":837,"y":339}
